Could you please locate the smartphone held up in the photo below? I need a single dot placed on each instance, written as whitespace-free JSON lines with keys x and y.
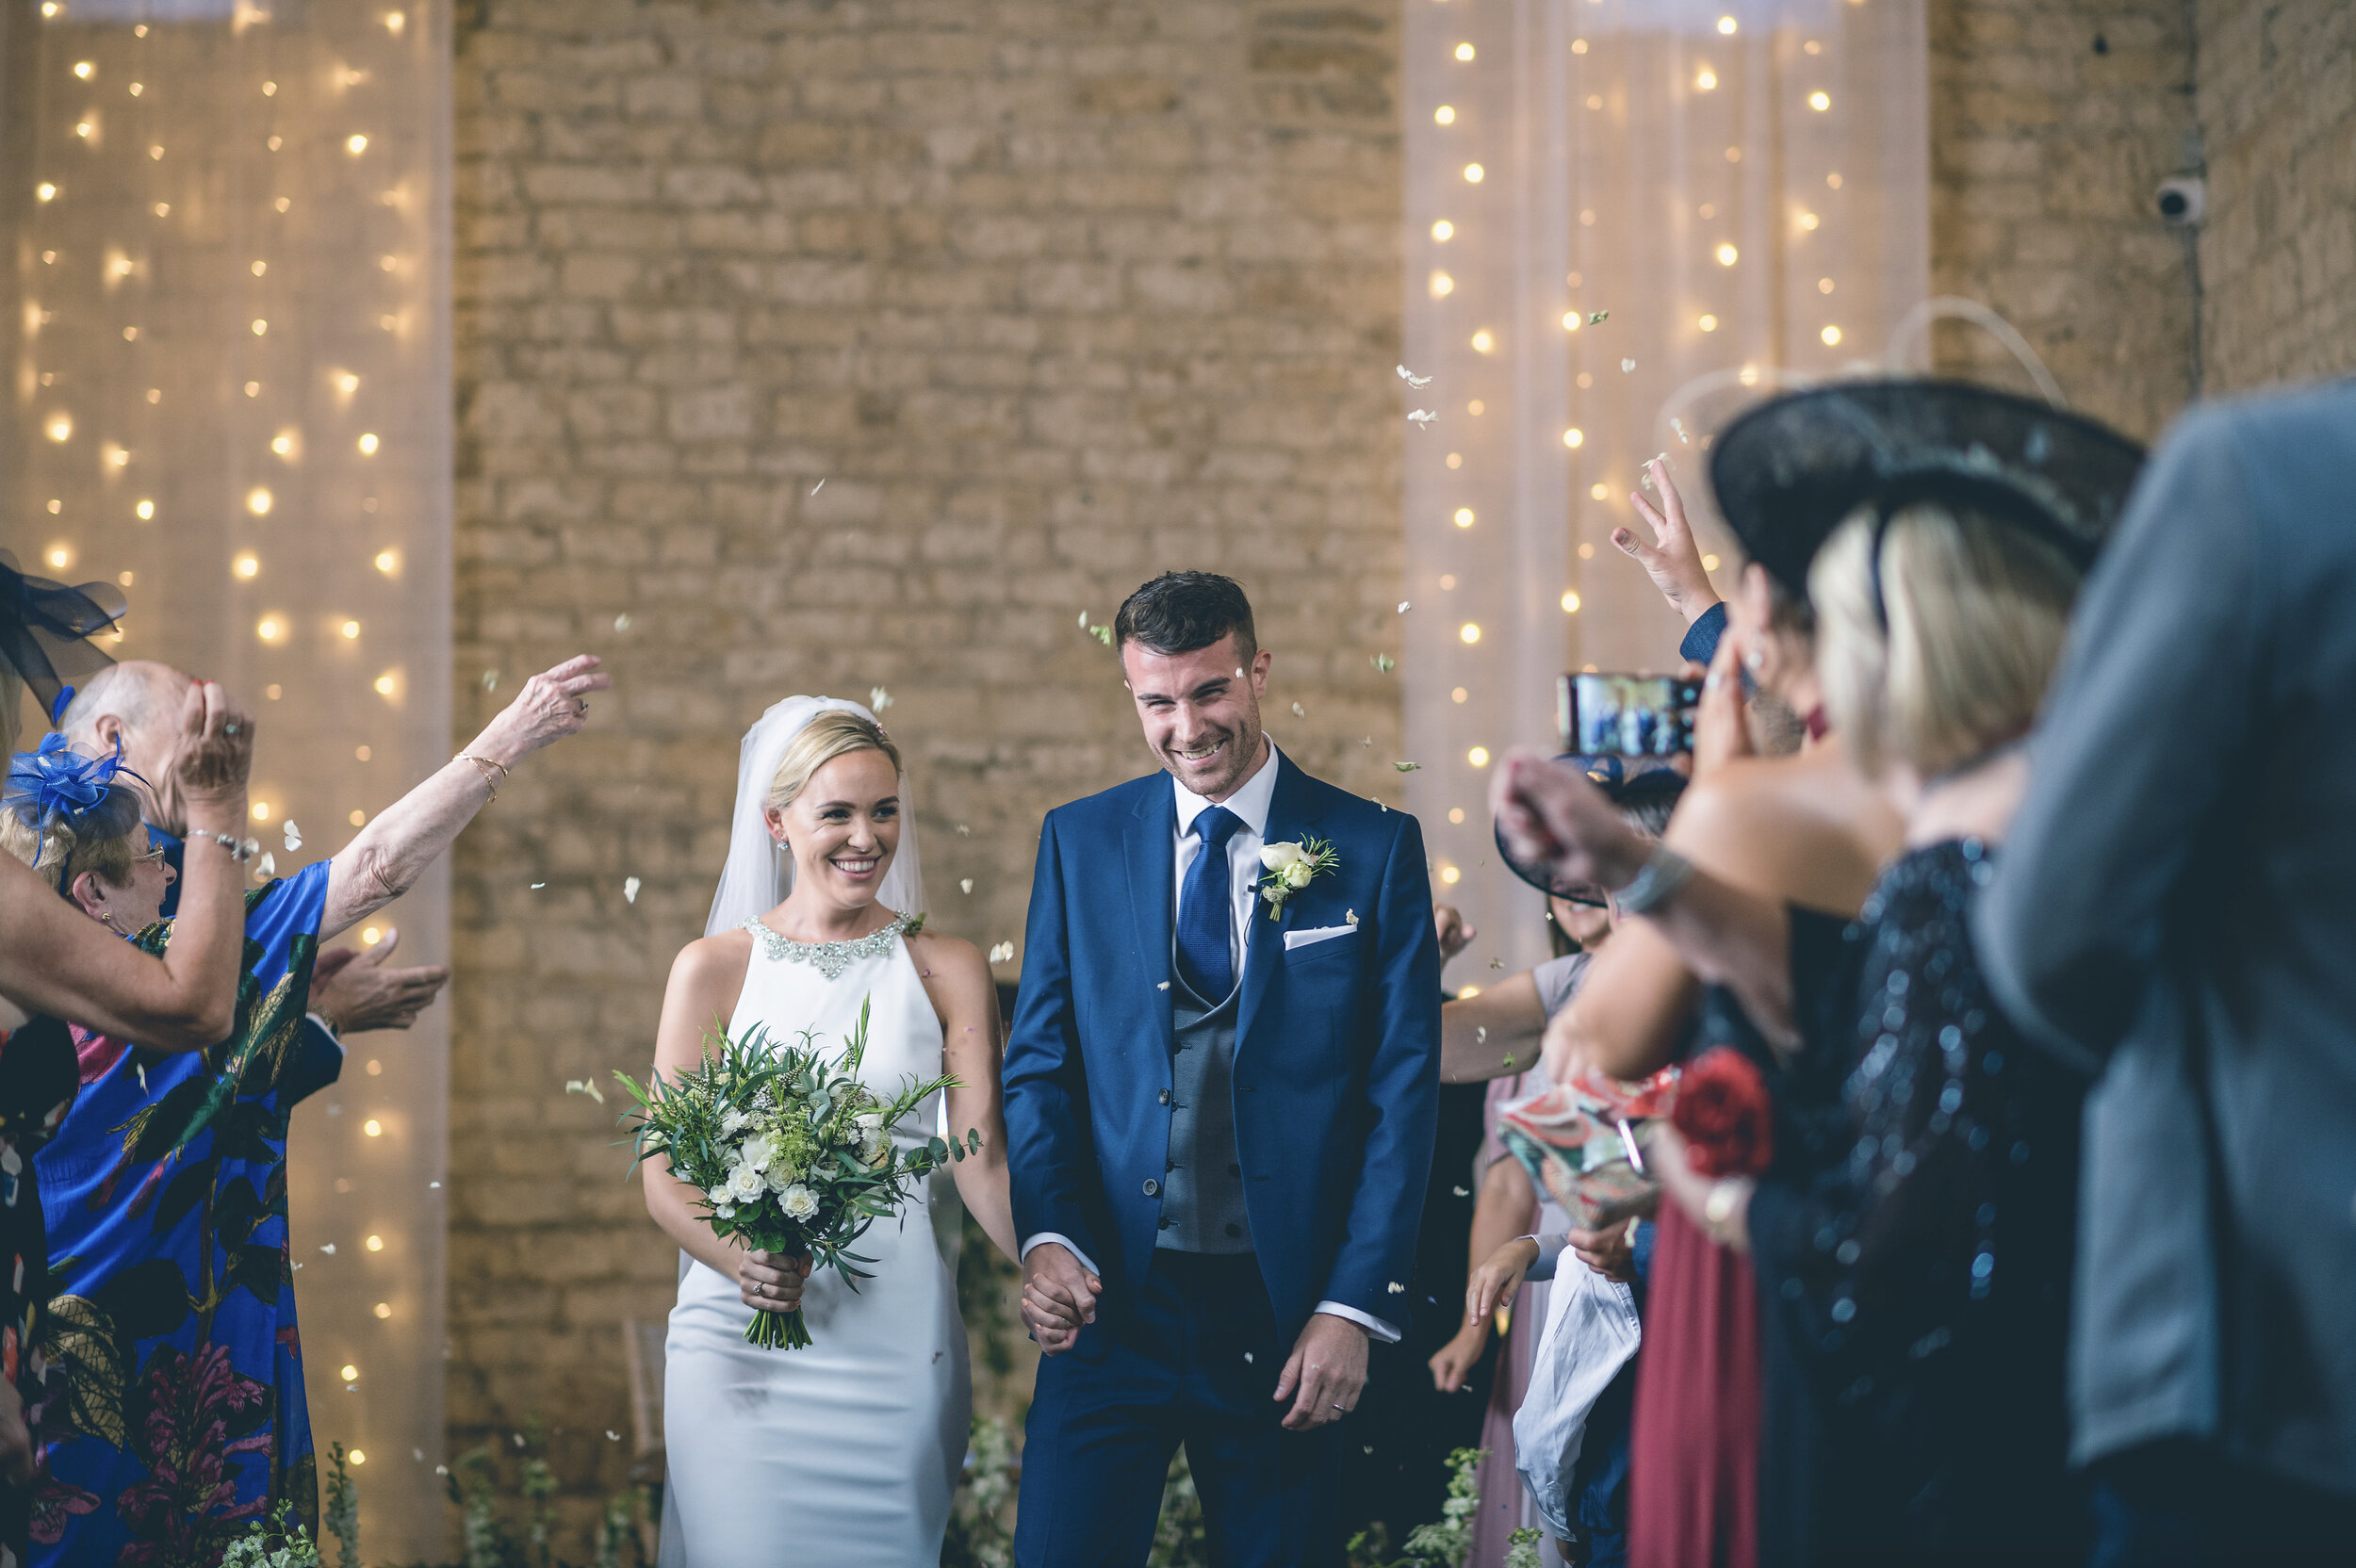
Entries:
{"x":1627,"y":715}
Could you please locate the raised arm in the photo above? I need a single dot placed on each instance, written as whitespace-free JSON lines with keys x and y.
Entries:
{"x":386,"y":858}
{"x":2152,"y":711}
{"x":55,"y":959}
{"x":1493,"y":1034}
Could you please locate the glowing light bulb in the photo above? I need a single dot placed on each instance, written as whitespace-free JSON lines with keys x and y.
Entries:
{"x":254,"y":389}
{"x":1464,"y":516}
{"x":1820,"y":102}
{"x":1456,"y":813}
{"x":1599,"y":491}
{"x":260,"y":326}
{"x":269,"y":90}
{"x":283,"y":203}
{"x":59,"y":426}
{"x":261,"y":811}
{"x":1478,"y":757}
{"x":1707,"y":323}
{"x":1469,"y":631}
{"x":1726,"y":24}
{"x":138,"y":87}
{"x":82,"y":130}
{"x":146,"y":512}
{"x":1443,"y":231}
{"x":1570,"y":603}
{"x":346,"y":383}
{"x":355,"y":144}
{"x":1833,"y":180}
{"x":351,"y":1374}
{"x":1705,"y":80}
{"x":393,"y":23}
{"x":1450,"y":875}
{"x":155,"y":394}
{"x":353,"y":1454}
{"x":49,"y":9}
{"x":1474,"y":174}
{"x":374,"y":1129}
{"x":376,"y":1244}
{"x":1571,"y":319}
{"x":1728,"y":255}
{"x":388,"y":562}
{"x":1808,"y":221}
{"x":1831,"y":335}
{"x":1710,"y":562}
{"x":83,"y":68}
{"x":1573,"y":437}
{"x":44,"y":190}
{"x":1579,"y":46}
{"x":1456,"y":460}
{"x":372,"y":936}
{"x":283,"y":445}
{"x":1482,"y":342}
{"x":270,"y":628}
{"x":386,"y":684}
{"x":59,"y":557}
{"x":367,"y":445}
{"x":246,"y":565}
{"x":259,"y":268}
{"x":1824,"y":286}
{"x":1459,"y":694}
{"x":1444,"y":115}
{"x":1441,"y":284}
{"x":359,"y":818}
{"x":1464,"y":51}
{"x":275,"y":143}
{"x":257,"y":501}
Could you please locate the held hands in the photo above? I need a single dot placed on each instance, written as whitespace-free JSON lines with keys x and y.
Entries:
{"x":1671,"y":560}
{"x":1058,"y":1297}
{"x":771,"y":1281}
{"x":355,"y":992}
{"x":1325,"y":1374}
{"x":552,"y":705}
{"x":1552,"y":815}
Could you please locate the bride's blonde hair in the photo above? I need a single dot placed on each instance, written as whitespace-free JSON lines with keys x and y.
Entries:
{"x":834,"y":733}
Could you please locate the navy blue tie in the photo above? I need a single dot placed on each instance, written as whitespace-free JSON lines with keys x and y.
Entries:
{"x":1206,"y":910}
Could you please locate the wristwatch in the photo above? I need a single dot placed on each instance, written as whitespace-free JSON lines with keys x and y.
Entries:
{"x":1664,"y":872}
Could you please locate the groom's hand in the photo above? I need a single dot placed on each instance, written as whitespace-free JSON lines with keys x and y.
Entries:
{"x":1325,"y":1374}
{"x":1058,"y":1297}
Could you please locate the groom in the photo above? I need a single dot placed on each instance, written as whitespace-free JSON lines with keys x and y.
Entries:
{"x":1220,"y":1114}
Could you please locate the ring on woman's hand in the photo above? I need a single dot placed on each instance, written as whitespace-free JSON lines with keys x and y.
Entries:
{"x":1344,"y":1409}
{"x":584,"y":706}
{"x":229,"y":728}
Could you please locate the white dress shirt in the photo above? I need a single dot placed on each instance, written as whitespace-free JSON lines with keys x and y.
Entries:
{"x":1250,"y":803}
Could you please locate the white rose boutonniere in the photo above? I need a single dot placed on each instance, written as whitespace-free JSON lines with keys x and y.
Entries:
{"x":1288,"y":868}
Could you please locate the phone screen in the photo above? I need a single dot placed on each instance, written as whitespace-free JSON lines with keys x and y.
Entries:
{"x":1628,"y":715}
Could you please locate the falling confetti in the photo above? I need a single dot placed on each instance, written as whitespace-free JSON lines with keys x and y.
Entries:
{"x":1349,"y":917}
{"x":815,"y":488}
{"x":611,"y":1435}
{"x":266,"y":868}
{"x":1495,"y":963}
{"x":1509,"y":1061}
{"x":877,"y":700}
{"x":965,"y":884}
{"x":1627,"y":365}
{"x":582,"y":1085}
{"x":1001,"y":953}
{"x":1366,"y":740}
{"x":1598,"y":318}
{"x":1412,"y":379}
{"x":621,"y":622}
{"x":1422,"y":417}
{"x":1298,"y":711}
{"x":537,"y":886}
{"x":1247,"y":1358}
{"x":1461,"y":1192}
{"x":490,"y":681}
{"x":1408,"y":767}
{"x":1480,"y":1035}
{"x":1163,"y":986}
{"x":1103,"y":634}
{"x":434,"y":1187}
{"x":294,"y":837}
{"x":1383,"y":664}
{"x":1084,"y":620}
{"x":329,"y":1249}
{"x":1398,"y":1289}
{"x":629,"y":888}
{"x":1405,"y":605}
{"x":1678,"y":426}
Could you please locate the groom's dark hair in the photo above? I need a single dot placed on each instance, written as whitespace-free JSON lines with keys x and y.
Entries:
{"x":1181,"y":611}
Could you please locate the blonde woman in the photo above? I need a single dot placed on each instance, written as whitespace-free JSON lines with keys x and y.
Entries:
{"x":845,"y":1452}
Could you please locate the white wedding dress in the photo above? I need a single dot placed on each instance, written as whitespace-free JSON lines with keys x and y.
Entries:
{"x":842,"y":1454}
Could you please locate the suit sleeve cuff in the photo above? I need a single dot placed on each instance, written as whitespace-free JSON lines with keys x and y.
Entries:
{"x":326,"y":1028}
{"x":1701,"y":638}
{"x":1374,"y":1326}
{"x":1068,"y":1244}
{"x":1550,"y":1251}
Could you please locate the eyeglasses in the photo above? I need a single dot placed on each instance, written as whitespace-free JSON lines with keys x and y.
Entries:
{"x":152,"y":856}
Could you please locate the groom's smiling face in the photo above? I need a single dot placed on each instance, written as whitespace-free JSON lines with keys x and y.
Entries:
{"x":1201,"y":711}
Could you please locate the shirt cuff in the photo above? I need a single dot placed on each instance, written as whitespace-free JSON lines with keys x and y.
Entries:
{"x":320,"y":1019}
{"x":1374,"y":1326}
{"x":1550,"y":1251}
{"x":1068,"y":1244}
{"x":1701,"y":638}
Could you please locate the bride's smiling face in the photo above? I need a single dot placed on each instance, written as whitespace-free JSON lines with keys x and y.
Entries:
{"x":843,"y":828}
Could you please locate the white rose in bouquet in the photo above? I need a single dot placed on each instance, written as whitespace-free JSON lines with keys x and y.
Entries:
{"x":745,"y":1184}
{"x":798,"y":1202}
{"x":1297,"y":873}
{"x":1281,"y":858}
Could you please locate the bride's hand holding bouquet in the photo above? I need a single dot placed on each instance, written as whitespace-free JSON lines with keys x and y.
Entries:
{"x":793,"y":1157}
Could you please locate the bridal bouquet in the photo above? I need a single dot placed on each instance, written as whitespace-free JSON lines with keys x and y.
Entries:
{"x":791,"y":1152}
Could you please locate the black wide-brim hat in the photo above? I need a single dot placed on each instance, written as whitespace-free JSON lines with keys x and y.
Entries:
{"x":1789,"y":471}
{"x":45,"y":629}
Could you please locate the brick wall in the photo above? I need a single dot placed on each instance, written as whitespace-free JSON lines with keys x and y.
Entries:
{"x":2052,"y":123}
{"x":1051,"y":296}
{"x":2277,"y":258}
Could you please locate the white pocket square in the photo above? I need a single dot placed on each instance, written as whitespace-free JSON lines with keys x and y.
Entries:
{"x":1316,"y":935}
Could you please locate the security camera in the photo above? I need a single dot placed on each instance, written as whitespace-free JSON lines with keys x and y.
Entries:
{"x":2183,"y":200}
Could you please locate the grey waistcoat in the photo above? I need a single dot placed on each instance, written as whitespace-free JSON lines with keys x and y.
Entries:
{"x":1202,"y":1189}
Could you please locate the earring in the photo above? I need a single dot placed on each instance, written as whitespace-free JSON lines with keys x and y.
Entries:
{"x":1754,"y":658}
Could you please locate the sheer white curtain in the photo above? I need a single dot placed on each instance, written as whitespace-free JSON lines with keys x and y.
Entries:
{"x":231,"y":393}
{"x":1739,"y":191}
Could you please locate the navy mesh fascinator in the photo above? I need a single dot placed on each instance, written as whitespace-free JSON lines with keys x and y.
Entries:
{"x":1788,"y":472}
{"x":45,"y":629}
{"x":59,"y":787}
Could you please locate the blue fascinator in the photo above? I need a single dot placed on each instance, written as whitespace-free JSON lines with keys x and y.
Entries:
{"x":58,"y":787}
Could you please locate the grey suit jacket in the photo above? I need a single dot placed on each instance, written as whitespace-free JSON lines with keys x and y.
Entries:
{"x":2176,"y":909}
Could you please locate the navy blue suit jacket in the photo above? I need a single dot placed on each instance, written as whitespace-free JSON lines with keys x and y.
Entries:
{"x":1337,"y":1049}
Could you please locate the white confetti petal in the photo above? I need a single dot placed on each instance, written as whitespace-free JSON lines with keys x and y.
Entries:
{"x":965,"y":884}
{"x":490,"y":681}
{"x":877,"y":700}
{"x":621,"y":622}
{"x":582,"y":1085}
{"x":1298,"y":711}
{"x":537,"y":886}
{"x":1422,"y":417}
{"x":1412,"y":379}
{"x":963,"y":831}
{"x":1463,"y":1192}
{"x":1398,"y":1289}
{"x":815,"y":488}
{"x":1163,"y":986}
{"x":294,"y":837}
{"x":629,"y":888}
{"x":1247,"y":1357}
{"x":329,"y":1248}
{"x":1404,"y":606}
{"x":1625,"y":366}
{"x":611,"y":1435}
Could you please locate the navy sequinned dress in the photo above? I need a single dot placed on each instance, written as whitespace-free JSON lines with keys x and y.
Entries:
{"x":1918,"y":1280}
{"x":38,"y":1082}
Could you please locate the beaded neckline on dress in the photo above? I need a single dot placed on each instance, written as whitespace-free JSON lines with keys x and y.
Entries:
{"x":828,"y":959}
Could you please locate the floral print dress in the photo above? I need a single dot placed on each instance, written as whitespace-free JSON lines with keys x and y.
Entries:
{"x":183,"y":1417}
{"x":37,"y":1086}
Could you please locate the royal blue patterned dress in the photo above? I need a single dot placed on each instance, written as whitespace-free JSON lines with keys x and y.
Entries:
{"x":174,"y":1327}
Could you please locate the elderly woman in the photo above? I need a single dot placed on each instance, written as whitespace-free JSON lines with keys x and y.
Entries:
{"x":1919,"y":1273}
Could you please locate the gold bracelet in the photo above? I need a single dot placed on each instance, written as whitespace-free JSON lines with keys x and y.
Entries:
{"x":484,"y":766}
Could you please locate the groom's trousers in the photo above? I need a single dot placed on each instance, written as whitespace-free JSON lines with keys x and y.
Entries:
{"x":1192,"y":1357}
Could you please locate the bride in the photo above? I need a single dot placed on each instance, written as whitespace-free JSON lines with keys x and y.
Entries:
{"x":843,"y":1453}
